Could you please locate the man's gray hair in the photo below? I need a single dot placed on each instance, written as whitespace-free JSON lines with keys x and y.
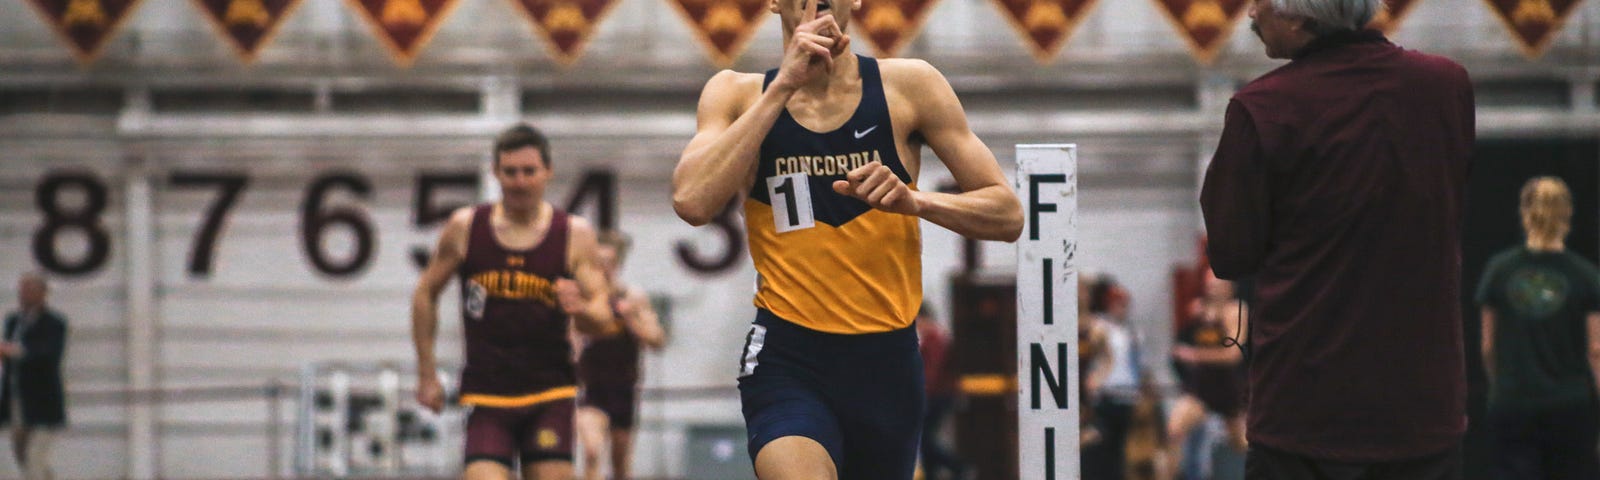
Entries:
{"x":1329,"y":16}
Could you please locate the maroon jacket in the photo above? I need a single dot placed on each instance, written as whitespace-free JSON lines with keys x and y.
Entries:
{"x":1338,"y":185}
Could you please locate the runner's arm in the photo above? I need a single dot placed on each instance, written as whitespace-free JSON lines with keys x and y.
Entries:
{"x":986,"y":208}
{"x":447,"y":257}
{"x":595,"y":318}
{"x":721,"y":158}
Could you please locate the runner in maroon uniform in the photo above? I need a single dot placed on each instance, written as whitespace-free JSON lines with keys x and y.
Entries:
{"x":526,"y":267}
{"x":1211,"y":368}
{"x":608,"y":368}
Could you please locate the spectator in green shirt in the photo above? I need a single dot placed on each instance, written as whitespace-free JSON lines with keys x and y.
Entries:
{"x":1541,"y":345}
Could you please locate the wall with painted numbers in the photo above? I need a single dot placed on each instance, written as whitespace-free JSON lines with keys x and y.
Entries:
{"x":263,"y":255}
{"x":261,"y":263}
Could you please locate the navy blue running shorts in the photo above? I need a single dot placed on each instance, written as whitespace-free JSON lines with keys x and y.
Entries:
{"x":860,"y":396}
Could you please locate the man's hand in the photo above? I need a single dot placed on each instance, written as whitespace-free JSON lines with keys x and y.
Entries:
{"x":811,"y":50}
{"x":429,"y":392}
{"x":10,"y":349}
{"x":877,"y":185}
{"x":627,"y":309}
{"x":570,"y":296}
{"x":1185,"y":354}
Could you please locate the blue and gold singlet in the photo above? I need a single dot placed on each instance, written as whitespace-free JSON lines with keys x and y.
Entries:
{"x":830,"y":262}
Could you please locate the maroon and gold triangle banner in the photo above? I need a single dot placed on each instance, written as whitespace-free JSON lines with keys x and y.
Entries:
{"x":1045,"y":25}
{"x":1204,"y":24}
{"x":247,"y":24}
{"x":1533,"y":23}
{"x":1388,"y":18}
{"x":723,"y":26}
{"x":566,"y":25}
{"x":889,"y":25}
{"x":85,"y":25}
{"x":404,"y":26}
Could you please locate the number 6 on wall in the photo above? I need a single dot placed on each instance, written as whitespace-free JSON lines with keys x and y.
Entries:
{"x":315,"y":221}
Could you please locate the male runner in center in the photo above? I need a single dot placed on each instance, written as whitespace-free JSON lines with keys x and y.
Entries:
{"x":826,"y":150}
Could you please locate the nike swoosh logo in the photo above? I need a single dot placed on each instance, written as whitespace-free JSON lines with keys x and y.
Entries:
{"x":863,"y":133}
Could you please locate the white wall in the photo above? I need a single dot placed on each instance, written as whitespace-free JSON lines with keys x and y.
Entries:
{"x":264,"y":312}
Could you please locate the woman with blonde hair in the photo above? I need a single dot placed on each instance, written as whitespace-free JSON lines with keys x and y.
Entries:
{"x":1541,"y":345}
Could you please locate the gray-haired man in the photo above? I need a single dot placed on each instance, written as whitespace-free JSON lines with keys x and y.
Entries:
{"x":32,"y":400}
{"x":1338,"y":185}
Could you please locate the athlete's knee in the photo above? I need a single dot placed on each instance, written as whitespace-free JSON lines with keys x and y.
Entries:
{"x":486,"y":470}
{"x":548,"y":470}
{"x":795,"y":458}
{"x":591,"y":454}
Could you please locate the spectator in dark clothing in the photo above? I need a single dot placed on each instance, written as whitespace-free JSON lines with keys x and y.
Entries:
{"x":1541,"y":346}
{"x":1338,"y":185}
{"x":32,"y":399}
{"x":939,"y":384}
